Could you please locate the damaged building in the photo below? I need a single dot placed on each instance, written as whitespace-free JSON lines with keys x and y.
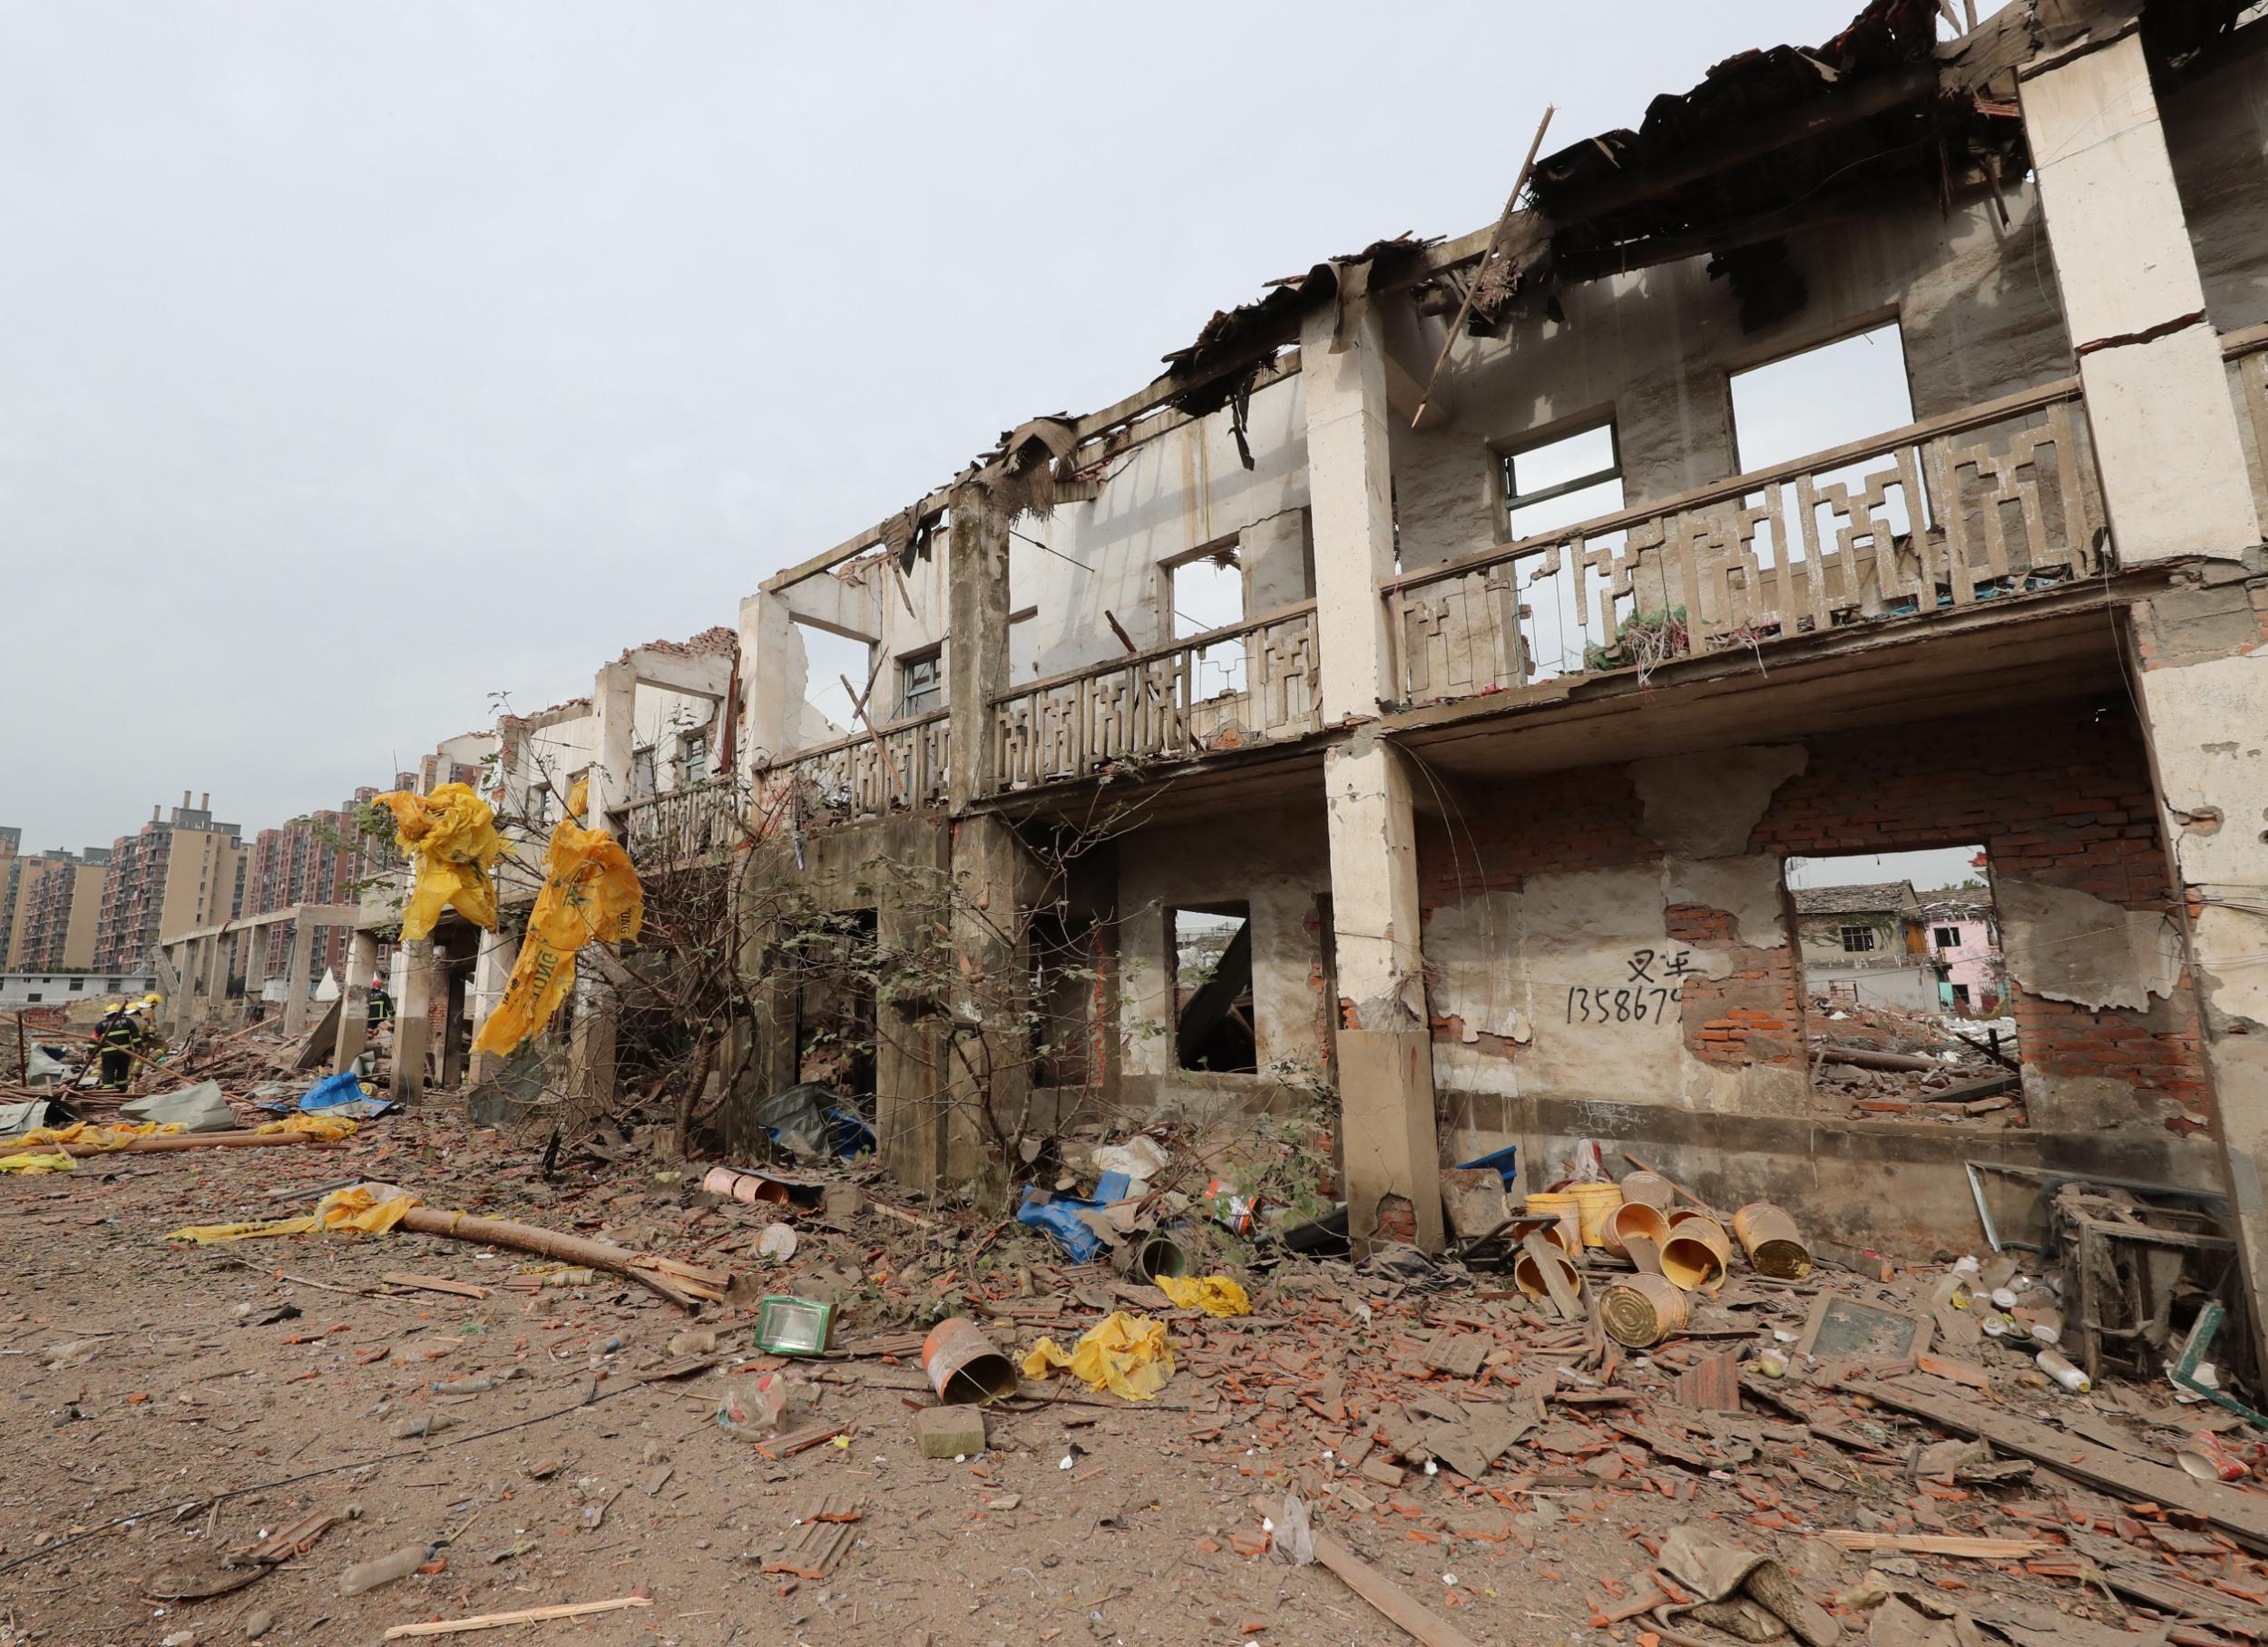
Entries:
{"x":1465,"y":636}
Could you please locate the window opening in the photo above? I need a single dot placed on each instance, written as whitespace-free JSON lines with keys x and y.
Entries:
{"x":1811,"y":401}
{"x":1207,"y":592}
{"x":1063,"y":979}
{"x":1211,"y":955}
{"x":920,"y":682}
{"x":1901,"y":954}
{"x":692,"y":757}
{"x":1549,"y":485}
{"x":828,"y":659}
{"x":834,"y":1011}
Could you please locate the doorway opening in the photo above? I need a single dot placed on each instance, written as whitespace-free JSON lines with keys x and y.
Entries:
{"x":1210,"y":948}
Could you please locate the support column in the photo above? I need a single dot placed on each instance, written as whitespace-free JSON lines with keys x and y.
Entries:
{"x":353,"y":999}
{"x":614,"y":741}
{"x":452,"y":975}
{"x":255,"y":969}
{"x":2177,"y":493}
{"x":773,"y":685}
{"x":216,"y":974}
{"x":413,"y":984}
{"x":976,"y":642}
{"x":987,"y":1066}
{"x":2158,"y":395}
{"x":1384,"y":1046}
{"x":1350,"y":488}
{"x":295,"y":1013}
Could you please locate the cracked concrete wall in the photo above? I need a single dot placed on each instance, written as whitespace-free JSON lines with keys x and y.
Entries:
{"x":2071,"y":946}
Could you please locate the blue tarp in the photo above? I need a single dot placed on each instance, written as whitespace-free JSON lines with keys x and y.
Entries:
{"x":1058,"y":1215}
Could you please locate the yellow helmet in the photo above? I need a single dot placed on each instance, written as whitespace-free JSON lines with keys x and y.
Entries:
{"x":135,"y":1009}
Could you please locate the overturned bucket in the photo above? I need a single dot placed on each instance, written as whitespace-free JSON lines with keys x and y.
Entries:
{"x":1697,"y":1251}
{"x":964,"y":1366}
{"x":1568,"y":1234}
{"x":1531,"y":1279}
{"x":1770,"y":1239}
{"x":1594,"y":1203}
{"x":1641,"y":1310}
{"x":1634,"y":1218}
{"x":1651,"y":1188}
{"x":1148,"y":1257}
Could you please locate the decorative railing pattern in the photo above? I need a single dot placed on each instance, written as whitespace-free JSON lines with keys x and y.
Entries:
{"x":1252,"y":682}
{"x":1982,"y":503}
{"x":682,"y":825}
{"x":907,"y":766}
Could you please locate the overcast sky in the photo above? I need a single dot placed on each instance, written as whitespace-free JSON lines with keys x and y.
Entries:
{"x":360,"y":362}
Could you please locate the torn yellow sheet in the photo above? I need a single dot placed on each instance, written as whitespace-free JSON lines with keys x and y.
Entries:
{"x":591,"y":895}
{"x":315,"y":1125}
{"x":355,"y":1209}
{"x":451,"y":837}
{"x":1218,"y":1295}
{"x":87,"y":1135}
{"x":1128,"y":1355}
{"x":32,"y":1160}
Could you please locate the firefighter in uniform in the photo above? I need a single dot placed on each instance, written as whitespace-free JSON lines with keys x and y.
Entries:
{"x":117,"y":1034}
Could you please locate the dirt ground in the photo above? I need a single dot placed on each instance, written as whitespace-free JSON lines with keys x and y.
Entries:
{"x":162,"y":1416}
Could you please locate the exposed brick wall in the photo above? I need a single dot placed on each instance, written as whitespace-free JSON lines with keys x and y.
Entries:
{"x":2056,"y":793}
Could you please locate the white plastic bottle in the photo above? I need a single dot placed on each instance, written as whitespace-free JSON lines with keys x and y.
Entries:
{"x":2056,"y":1366}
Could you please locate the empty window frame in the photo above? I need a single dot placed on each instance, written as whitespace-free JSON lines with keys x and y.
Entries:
{"x":1857,"y":940}
{"x":1210,"y":951}
{"x":1568,"y":614}
{"x":828,"y":661}
{"x":1946,"y":937}
{"x":692,"y":756}
{"x":1204,"y":591}
{"x":922,"y":682}
{"x":1818,"y":398}
{"x":642,"y":773}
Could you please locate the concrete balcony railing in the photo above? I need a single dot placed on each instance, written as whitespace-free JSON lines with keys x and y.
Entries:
{"x":1987,"y":504}
{"x":1249,"y":683}
{"x":902,"y":768}
{"x":683,"y":826}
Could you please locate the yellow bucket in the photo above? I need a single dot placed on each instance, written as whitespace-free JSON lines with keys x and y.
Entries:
{"x":1594,"y":1203}
{"x":1635,"y":1218}
{"x":1569,"y":1231}
{"x":1698,"y":1253}
{"x":1529,"y":1279}
{"x":1773,"y":1244}
{"x":1641,"y":1310}
{"x":1651,"y":1188}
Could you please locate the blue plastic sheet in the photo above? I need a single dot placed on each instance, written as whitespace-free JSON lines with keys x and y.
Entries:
{"x":1058,"y":1215}
{"x":342,"y":1095}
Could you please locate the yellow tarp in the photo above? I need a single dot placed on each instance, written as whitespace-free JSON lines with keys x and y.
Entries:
{"x":355,"y":1208}
{"x":32,"y":1160}
{"x":591,"y":895}
{"x":315,"y":1124}
{"x":89,"y":1136}
{"x":1128,"y":1355}
{"x":1214,"y":1294}
{"x":451,"y":837}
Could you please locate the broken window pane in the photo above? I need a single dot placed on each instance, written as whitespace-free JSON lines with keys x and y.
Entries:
{"x":1211,"y":953}
{"x":829,"y":660}
{"x":920,"y":682}
{"x":1553,"y":484}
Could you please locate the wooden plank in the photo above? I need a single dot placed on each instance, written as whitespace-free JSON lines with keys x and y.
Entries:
{"x":1547,"y":1261}
{"x":522,"y":1616}
{"x":1419,"y":1621}
{"x":2242,"y":1516}
{"x":1937,"y":1544}
{"x":434,"y":1284}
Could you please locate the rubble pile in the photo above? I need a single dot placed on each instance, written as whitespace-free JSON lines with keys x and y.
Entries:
{"x":1878,"y":1061}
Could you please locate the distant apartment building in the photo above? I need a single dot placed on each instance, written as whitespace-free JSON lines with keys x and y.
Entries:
{"x":314,"y":859}
{"x":54,"y":900}
{"x":172,"y":876}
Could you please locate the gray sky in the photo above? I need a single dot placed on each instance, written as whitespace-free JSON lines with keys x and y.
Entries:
{"x":357,"y":362}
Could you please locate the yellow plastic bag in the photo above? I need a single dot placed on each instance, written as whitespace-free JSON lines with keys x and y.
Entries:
{"x":315,"y":1124}
{"x":89,"y":1136}
{"x":591,"y":895}
{"x":1218,"y":1295}
{"x":1128,"y":1355}
{"x":451,"y":837}
{"x":32,"y":1160}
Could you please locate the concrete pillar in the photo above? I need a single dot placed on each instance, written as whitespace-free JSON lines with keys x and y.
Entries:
{"x":295,"y":1013}
{"x":353,"y":999}
{"x":2157,"y":396}
{"x":614,"y":741}
{"x":773,"y":666}
{"x":255,"y":967}
{"x":988,"y":874}
{"x":590,"y":1047}
{"x":453,"y":972}
{"x":976,"y":642}
{"x":1350,"y":488}
{"x":413,"y":983}
{"x":215,"y":973}
{"x":2175,"y":487}
{"x":1385,"y":1045}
